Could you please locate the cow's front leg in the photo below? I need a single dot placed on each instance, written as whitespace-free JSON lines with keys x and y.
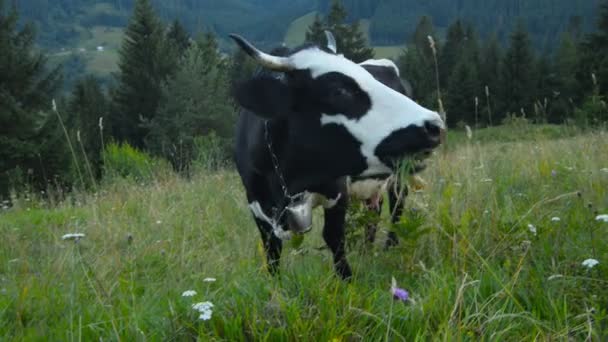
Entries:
{"x":333,"y":233}
{"x":272,"y":246}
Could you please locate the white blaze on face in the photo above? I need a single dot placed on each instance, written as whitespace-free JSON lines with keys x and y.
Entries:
{"x":389,"y":112}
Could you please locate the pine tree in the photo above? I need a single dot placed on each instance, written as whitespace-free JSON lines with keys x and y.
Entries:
{"x":595,"y":55}
{"x":196,"y":102}
{"x":490,"y":69}
{"x":178,"y":37}
{"x":417,"y":63}
{"x":146,"y":60}
{"x":463,"y":85}
{"x":26,"y":90}
{"x":462,"y":90}
{"x":420,"y":38}
{"x":545,"y":81}
{"x":350,"y":40}
{"x":89,"y":108}
{"x":452,"y":50}
{"x":568,"y":89}
{"x":517,"y":80}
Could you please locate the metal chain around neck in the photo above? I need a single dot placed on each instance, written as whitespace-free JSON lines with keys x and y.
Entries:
{"x":277,"y":170}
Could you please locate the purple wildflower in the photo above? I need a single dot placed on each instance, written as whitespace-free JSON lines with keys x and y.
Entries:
{"x":399,"y":293}
{"x":553,"y":173}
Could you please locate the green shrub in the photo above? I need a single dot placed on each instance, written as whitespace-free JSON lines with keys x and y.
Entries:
{"x":125,"y":161}
{"x":211,"y":152}
{"x":593,"y":112}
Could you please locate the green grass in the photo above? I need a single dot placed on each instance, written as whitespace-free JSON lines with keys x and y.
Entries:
{"x":478,"y":273}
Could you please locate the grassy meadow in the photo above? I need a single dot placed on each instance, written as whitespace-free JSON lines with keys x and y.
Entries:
{"x":491,"y":249}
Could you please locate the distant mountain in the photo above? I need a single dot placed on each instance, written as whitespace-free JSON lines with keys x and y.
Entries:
{"x":63,"y":22}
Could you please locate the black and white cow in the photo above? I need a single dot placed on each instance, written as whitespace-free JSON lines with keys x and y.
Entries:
{"x":301,"y":134}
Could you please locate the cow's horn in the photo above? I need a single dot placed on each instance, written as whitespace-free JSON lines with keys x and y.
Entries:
{"x":331,"y":42}
{"x":269,"y":61}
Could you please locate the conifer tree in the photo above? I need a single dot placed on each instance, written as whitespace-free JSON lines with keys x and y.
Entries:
{"x":26,"y":91}
{"x":517,"y":80}
{"x":452,"y":50}
{"x":489,"y":76}
{"x":89,"y":109}
{"x":420,"y":38}
{"x":178,"y":37}
{"x":595,"y":55}
{"x":145,"y":62}
{"x":196,"y":102}
{"x":417,"y":63}
{"x":463,"y":85}
{"x":462,"y":90}
{"x":350,"y":40}
{"x":567,"y":90}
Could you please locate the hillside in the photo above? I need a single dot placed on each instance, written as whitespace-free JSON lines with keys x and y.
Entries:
{"x":391,"y":21}
{"x":85,"y":35}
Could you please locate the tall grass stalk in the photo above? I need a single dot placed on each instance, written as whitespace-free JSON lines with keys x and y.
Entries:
{"x":86,"y":160}
{"x":69,"y":141}
{"x":487,"y":91}
{"x":436,"y":64}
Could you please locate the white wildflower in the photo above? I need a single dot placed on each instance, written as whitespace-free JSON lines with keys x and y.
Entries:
{"x":555,"y":219}
{"x":603,"y":217}
{"x":205,"y":315}
{"x":189,"y":293}
{"x":205,"y":309}
{"x":209,"y":280}
{"x":532,"y":229}
{"x":72,"y":236}
{"x":159,"y":222}
{"x":590,"y":263}
{"x":202,"y":306}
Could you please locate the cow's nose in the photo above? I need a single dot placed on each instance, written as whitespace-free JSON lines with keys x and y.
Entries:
{"x":434,"y":129}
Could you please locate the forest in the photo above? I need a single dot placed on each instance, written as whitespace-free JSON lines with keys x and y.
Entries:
{"x":391,"y":21}
{"x":170,"y":99}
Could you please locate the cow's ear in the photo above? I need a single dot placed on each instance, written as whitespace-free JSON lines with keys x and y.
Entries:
{"x":266,"y":96}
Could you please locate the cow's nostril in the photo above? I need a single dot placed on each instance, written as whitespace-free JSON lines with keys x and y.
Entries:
{"x":432,"y":129}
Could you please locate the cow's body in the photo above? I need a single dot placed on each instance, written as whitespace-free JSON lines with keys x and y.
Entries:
{"x":307,"y":129}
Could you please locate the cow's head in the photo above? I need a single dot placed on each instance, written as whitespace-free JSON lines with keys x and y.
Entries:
{"x":338,"y":114}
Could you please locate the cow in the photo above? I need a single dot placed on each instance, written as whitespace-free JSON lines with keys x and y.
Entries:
{"x":310,"y":119}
